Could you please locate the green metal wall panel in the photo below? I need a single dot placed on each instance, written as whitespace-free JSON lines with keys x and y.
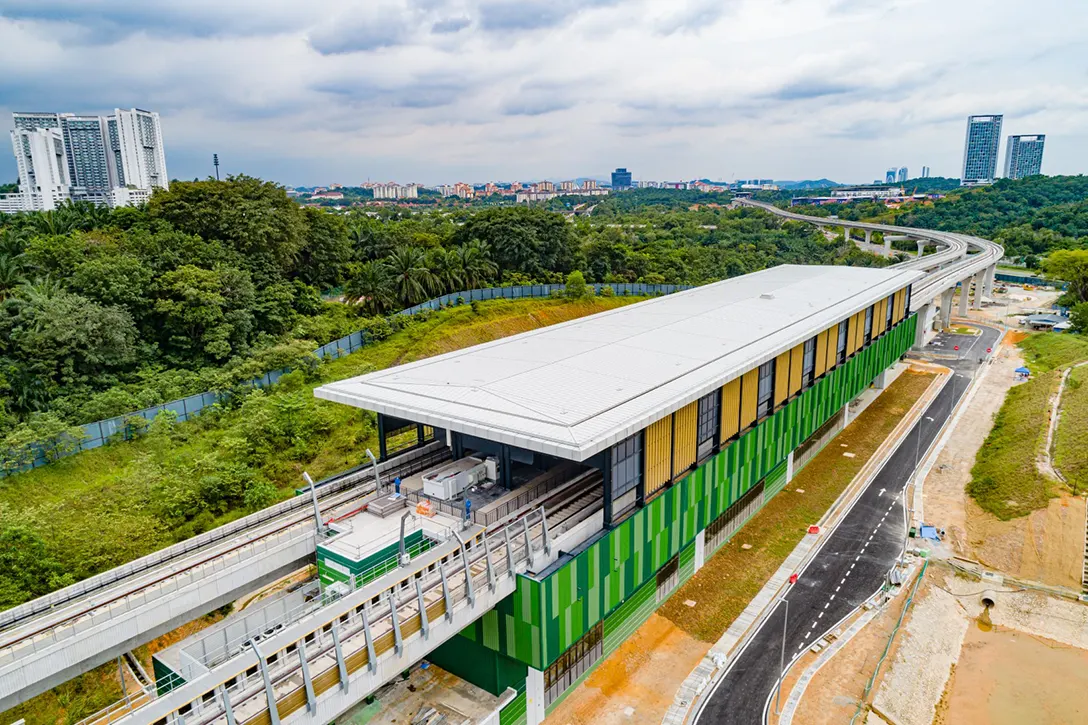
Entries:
{"x":515,"y":712}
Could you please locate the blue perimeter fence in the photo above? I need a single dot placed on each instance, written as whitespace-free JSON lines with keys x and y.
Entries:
{"x":1023,"y":279}
{"x":101,"y":432}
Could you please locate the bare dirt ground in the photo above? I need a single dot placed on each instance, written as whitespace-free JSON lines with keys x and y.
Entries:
{"x":1047,"y":545}
{"x":989,"y":686}
{"x":928,"y":647}
{"x":637,"y":682}
{"x":944,"y":491}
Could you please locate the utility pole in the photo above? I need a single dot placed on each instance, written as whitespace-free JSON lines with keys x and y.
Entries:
{"x":215,"y":162}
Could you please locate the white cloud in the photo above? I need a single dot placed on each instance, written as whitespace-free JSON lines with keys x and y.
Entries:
{"x":442,"y":90}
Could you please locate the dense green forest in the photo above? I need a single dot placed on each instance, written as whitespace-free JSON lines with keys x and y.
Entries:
{"x":215,"y":282}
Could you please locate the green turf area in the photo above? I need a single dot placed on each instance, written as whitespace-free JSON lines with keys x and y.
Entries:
{"x":734,"y":575}
{"x":101,"y":508}
{"x":1005,"y":480}
{"x":1070,"y":446}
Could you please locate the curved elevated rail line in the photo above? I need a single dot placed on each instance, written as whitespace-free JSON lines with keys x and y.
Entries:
{"x":958,"y":258}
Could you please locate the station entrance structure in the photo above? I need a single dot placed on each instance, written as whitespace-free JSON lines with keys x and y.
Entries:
{"x":688,"y":407}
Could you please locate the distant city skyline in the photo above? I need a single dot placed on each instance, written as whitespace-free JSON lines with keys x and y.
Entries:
{"x":443,"y":90}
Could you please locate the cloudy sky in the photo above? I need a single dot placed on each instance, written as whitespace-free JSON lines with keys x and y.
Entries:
{"x":448,"y":90}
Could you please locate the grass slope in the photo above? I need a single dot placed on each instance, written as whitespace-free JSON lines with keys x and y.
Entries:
{"x":105,"y":507}
{"x":733,"y":576}
{"x":1070,"y":446}
{"x":1005,"y":480}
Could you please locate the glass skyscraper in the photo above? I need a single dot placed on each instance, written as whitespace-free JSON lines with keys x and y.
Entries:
{"x":1024,"y":156}
{"x":980,"y":149}
{"x":621,"y":179}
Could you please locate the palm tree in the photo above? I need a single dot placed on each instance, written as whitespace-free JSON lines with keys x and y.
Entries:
{"x":476,"y":265}
{"x":53,"y":222}
{"x":446,"y":269}
{"x":367,"y":240}
{"x":12,"y":241}
{"x":372,"y":287}
{"x":411,"y":277}
{"x":11,"y":275}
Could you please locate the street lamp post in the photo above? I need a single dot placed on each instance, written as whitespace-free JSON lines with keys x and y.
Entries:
{"x":782,"y":652}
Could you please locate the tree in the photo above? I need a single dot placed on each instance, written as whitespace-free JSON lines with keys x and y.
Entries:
{"x":255,"y":218}
{"x":371,"y":286}
{"x":445,"y":266}
{"x":326,"y":250}
{"x":204,"y":314}
{"x":576,"y":286}
{"x":523,"y":239}
{"x":1072,"y":267}
{"x":120,"y":280}
{"x":1078,"y":317}
{"x":477,"y":269}
{"x":411,"y":278}
{"x":68,"y":338}
{"x":11,"y":276}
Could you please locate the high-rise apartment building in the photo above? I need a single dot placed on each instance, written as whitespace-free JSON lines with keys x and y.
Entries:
{"x":1024,"y":156}
{"x":43,"y":170}
{"x":889,"y":176}
{"x":114,"y":160}
{"x":980,"y":149}
{"x":621,"y":179}
{"x":902,"y":175}
{"x":925,"y":172}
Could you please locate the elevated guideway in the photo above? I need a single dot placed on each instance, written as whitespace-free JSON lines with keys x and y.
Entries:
{"x":960,"y":258}
{"x":50,"y":640}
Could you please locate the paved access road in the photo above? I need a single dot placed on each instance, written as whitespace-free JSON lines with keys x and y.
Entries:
{"x":849,"y":568}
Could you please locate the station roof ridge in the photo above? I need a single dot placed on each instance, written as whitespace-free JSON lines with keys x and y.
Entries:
{"x":575,"y":388}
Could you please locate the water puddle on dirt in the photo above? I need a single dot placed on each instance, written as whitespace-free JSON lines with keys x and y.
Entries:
{"x":984,"y":623}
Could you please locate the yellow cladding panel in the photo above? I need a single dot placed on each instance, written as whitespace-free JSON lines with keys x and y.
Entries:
{"x":880,"y":315}
{"x":852,"y":335}
{"x":797,"y":360}
{"x":730,"y":409}
{"x":749,"y":392}
{"x":832,"y":347}
{"x":658,"y":454}
{"x":684,"y":442}
{"x":859,"y":340}
{"x":821,"y":353}
{"x":782,"y":378}
{"x":900,"y":305}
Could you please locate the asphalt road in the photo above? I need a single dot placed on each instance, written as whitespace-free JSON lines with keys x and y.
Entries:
{"x":852,"y":564}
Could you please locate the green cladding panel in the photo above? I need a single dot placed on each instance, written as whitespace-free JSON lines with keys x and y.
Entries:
{"x":544,"y":618}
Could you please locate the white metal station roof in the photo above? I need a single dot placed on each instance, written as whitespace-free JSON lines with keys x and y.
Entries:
{"x":575,"y":388}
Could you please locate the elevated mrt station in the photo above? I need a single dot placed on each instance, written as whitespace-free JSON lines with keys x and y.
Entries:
{"x":644,"y":437}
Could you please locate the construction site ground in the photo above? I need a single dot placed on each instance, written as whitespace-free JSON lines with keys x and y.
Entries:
{"x":430,"y":696}
{"x":637,"y":682}
{"x":1048,"y":544}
